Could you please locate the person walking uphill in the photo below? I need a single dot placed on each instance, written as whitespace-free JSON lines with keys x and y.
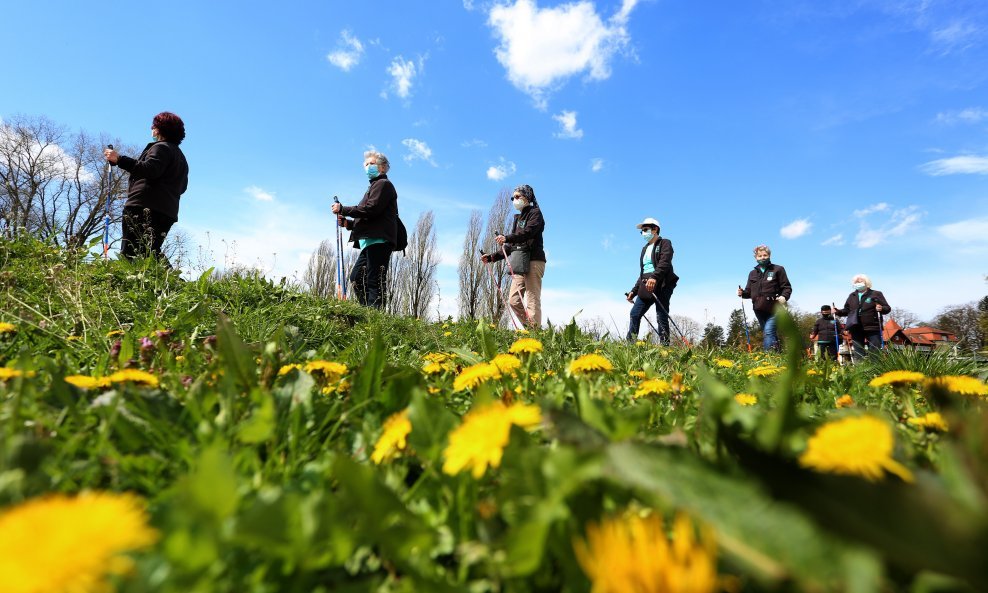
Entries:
{"x":374,"y":230}
{"x":768,"y":286}
{"x":158,"y":178}
{"x":526,"y":257}
{"x":656,"y":281}
{"x":864,"y":308}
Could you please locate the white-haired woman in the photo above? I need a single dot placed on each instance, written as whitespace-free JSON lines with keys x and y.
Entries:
{"x":864,"y":308}
{"x":374,"y":227}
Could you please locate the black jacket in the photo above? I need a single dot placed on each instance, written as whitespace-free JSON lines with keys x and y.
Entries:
{"x":863,"y":308}
{"x":526,"y":234}
{"x":823,"y":329}
{"x":664,"y":275}
{"x":158,"y":178}
{"x":376,"y":216}
{"x":764,"y":287}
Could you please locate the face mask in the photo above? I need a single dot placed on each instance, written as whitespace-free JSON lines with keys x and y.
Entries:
{"x":371,"y":171}
{"x":762,"y":261}
{"x":519,"y":204}
{"x":859,"y":286}
{"x":647,"y":236}
{"x":826,"y":315}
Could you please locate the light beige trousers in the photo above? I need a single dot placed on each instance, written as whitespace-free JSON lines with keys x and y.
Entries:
{"x":525,"y":294}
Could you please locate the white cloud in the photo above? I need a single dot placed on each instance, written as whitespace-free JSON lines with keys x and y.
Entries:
{"x":402,"y":73}
{"x":499,"y":172}
{"x":969,"y":164}
{"x":796,"y":228}
{"x":543,"y":47}
{"x":418,"y":150}
{"x":349,"y":53}
{"x":259,"y":194}
{"x":837,"y":239}
{"x":899,"y":223}
{"x":608,"y":242}
{"x":956,"y":35}
{"x":474,"y":143}
{"x":879,"y":207}
{"x":596,"y":165}
{"x":567,"y":123}
{"x":971,"y":115}
{"x":973,"y":230}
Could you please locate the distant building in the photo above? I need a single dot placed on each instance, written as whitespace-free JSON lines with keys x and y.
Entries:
{"x":922,"y":339}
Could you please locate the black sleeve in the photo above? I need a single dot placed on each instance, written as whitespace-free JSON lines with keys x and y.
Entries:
{"x":377,"y":199}
{"x":534,"y":226}
{"x":151,"y":165}
{"x":847,"y":307}
{"x":746,"y":293}
{"x":664,"y":265}
{"x":880,"y":299}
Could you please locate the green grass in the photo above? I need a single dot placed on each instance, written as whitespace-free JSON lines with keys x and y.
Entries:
{"x":259,"y":479}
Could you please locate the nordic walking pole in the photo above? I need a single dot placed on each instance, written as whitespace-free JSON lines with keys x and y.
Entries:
{"x":106,"y":208}
{"x":744,"y":318}
{"x":497,"y":289}
{"x":340,"y":284}
{"x":682,"y":336}
{"x":833,"y":309}
{"x":512,"y":272}
{"x":881,"y":329}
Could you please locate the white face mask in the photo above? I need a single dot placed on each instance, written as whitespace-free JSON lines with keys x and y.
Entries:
{"x":519,"y":204}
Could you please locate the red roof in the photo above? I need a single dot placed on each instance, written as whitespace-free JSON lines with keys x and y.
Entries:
{"x":929,"y":336}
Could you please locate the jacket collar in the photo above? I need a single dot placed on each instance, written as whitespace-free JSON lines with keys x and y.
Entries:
{"x":378,"y":178}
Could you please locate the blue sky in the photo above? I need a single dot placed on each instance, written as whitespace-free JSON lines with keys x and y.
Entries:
{"x":849,"y":136}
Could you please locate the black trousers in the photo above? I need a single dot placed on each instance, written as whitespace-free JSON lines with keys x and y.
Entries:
{"x":370,"y":274}
{"x":144,"y":232}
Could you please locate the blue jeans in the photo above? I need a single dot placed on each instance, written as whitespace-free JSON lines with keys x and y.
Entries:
{"x":767,"y":320}
{"x":641,"y":307}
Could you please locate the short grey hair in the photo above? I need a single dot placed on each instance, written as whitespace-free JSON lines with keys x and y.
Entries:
{"x":526,"y":192}
{"x":764,"y":248}
{"x":864,"y":278}
{"x":382,"y":161}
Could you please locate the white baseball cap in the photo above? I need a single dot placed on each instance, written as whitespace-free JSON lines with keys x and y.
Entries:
{"x":650,"y":221}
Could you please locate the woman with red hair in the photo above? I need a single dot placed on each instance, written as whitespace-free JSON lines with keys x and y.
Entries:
{"x":158,"y":178}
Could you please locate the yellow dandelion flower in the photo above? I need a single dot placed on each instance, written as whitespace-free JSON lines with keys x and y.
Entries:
{"x":724,"y":363}
{"x":133,"y":376}
{"x":432,"y":368}
{"x":590,"y":363}
{"x":393,"y":438}
{"x":284,"y":370}
{"x":812,"y":372}
{"x":474,"y":375}
{"x":506,"y":363}
{"x":84,"y":382}
{"x":766,"y":371}
{"x":439,"y":357}
{"x":114,"y":333}
{"x":844,"y":401}
{"x":859,"y":446}
{"x":746,"y":399}
{"x":331,"y":371}
{"x":344,"y":386}
{"x":434,"y":390}
{"x":479,"y":442}
{"x":637,"y":375}
{"x":960,"y":384}
{"x":896,"y":378}
{"x":7,"y":328}
{"x":653,"y":387}
{"x":447,"y":334}
{"x":635,"y":554}
{"x":62,"y":544}
{"x":8,"y":373}
{"x":550,"y":373}
{"x":932,"y":422}
{"x":526,"y":346}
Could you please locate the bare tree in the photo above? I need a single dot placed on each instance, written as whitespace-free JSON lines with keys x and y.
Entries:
{"x":471,"y":269}
{"x":904,"y":317}
{"x":320,"y":273}
{"x":423,"y":261}
{"x":963,"y":321}
{"x":493,"y":304}
{"x":52,"y":186}
{"x":396,"y":291}
{"x":690,"y":328}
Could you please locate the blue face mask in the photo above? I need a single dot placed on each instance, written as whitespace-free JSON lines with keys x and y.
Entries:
{"x":647,"y":236}
{"x":859,"y":286}
{"x":763,"y":261}
{"x":372,"y":171}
